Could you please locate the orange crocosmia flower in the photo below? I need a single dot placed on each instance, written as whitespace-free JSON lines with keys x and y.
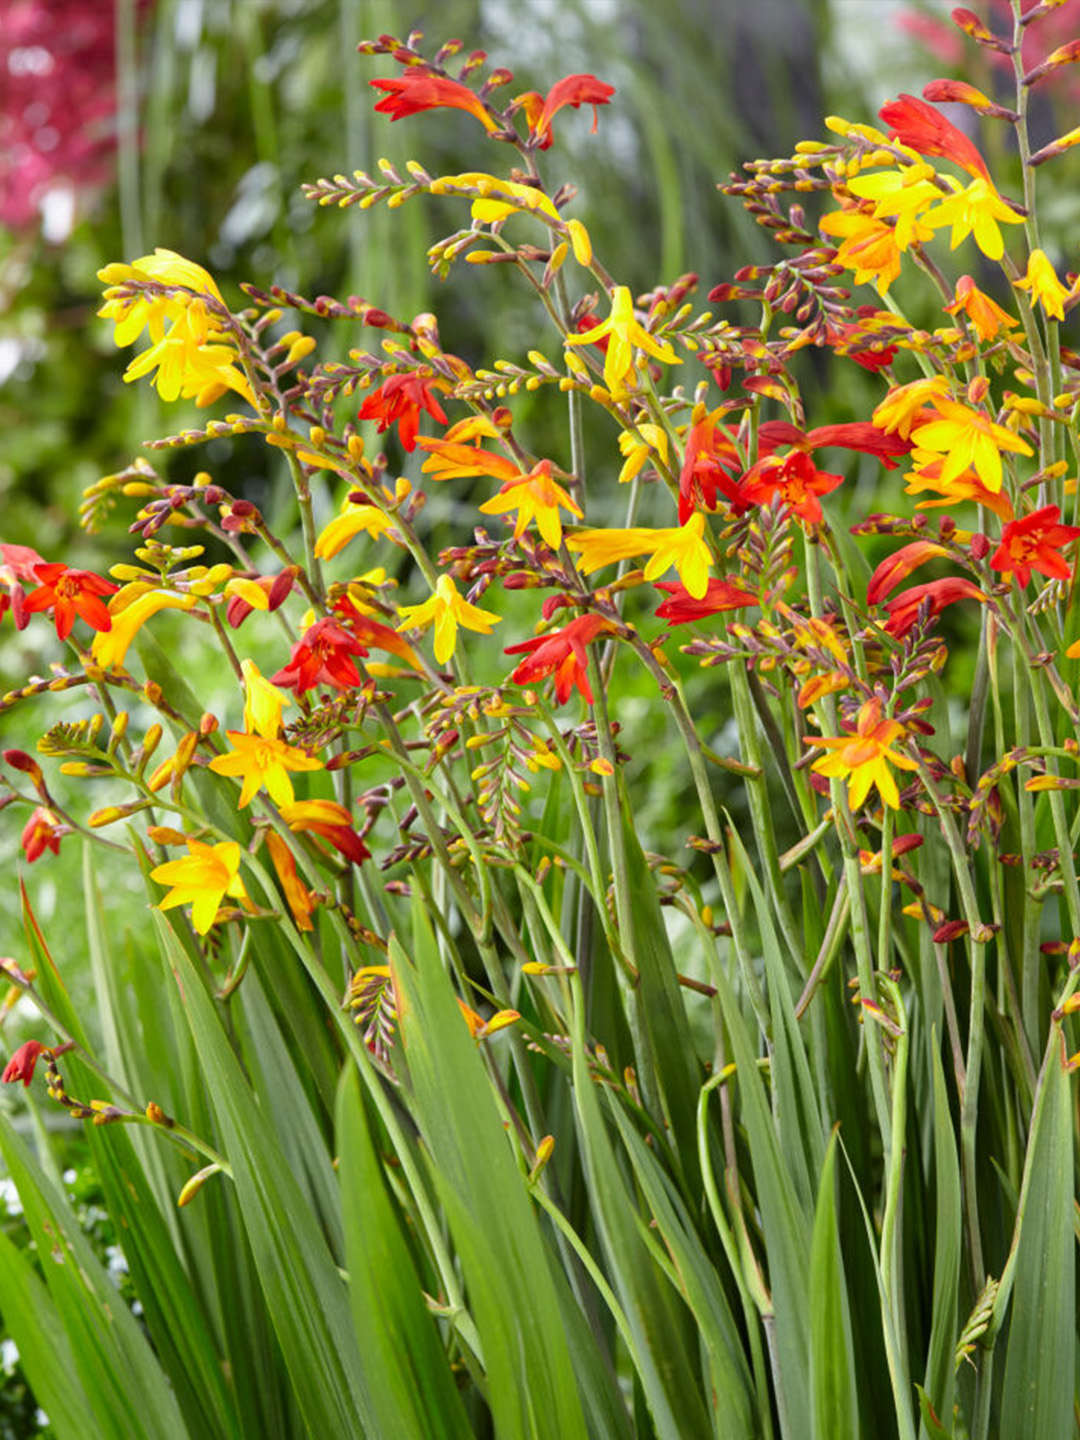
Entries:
{"x":905,"y":405}
{"x":202,"y":879}
{"x":43,"y":831}
{"x":710,"y":462}
{"x":682,"y":609}
{"x":899,"y":566}
{"x":371,"y":633}
{"x":299,"y":898}
{"x":796,"y":480}
{"x":867,"y":246}
{"x":561,"y":654}
{"x":575,"y":90}
{"x":986,"y":315}
{"x":863,"y":759}
{"x":421,"y":89}
{"x":262,"y":761}
{"x":903,"y":609}
{"x":966,"y":439}
{"x":919,"y":126}
{"x":858,"y":435}
{"x":537,"y":497}
{"x":329,"y":820}
{"x":1033,"y":542}
{"x":401,"y":398}
{"x":70,"y":593}
{"x":451,"y":460}
{"x":927,"y":477}
{"x":1041,"y":279}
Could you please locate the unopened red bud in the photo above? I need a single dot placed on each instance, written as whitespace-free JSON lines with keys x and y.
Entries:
{"x":243,"y":508}
{"x":378,"y":319}
{"x":978,"y":389}
{"x":282,"y":587}
{"x":207,"y":723}
{"x":20,"y":760}
{"x":980,"y":546}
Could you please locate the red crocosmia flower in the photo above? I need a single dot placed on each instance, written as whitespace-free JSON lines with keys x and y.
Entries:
{"x":401,"y":398}
{"x":913,"y":122}
{"x":16,"y":570}
{"x":22,"y":1063}
{"x":70,"y":593}
{"x":858,"y":435}
{"x":682,"y":608}
{"x":562,"y":654}
{"x":1033,"y":543}
{"x":711,"y":462}
{"x":899,"y":566}
{"x":43,"y":831}
{"x":904,"y":608}
{"x":797,"y":481}
{"x":321,"y":657}
{"x":373,"y":633}
{"x":420,"y":89}
{"x":575,"y":90}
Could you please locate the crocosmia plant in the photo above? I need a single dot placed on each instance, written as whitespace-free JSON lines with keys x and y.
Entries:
{"x":494,"y":1102}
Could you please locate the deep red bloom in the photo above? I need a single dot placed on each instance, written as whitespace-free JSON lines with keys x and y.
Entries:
{"x":321,"y":657}
{"x":561,"y":653}
{"x":401,"y":398}
{"x":575,"y":90}
{"x":913,"y":122}
{"x":904,"y":608}
{"x":21,"y":1065}
{"x":16,"y":569}
{"x":682,"y":608}
{"x":41,"y":832}
{"x":70,"y":593}
{"x":1032,"y":543}
{"x":797,"y":481}
{"x":421,"y":89}
{"x":711,"y":462}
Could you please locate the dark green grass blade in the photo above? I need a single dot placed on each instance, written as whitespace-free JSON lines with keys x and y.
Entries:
{"x":833,"y":1393}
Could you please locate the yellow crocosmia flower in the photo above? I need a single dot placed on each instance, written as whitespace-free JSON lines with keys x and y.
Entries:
{"x":498,"y":198}
{"x":903,"y":196}
{"x":863,"y":759}
{"x":1041,"y":279}
{"x":192,"y":355}
{"x":353,"y":520}
{"x":473,"y":427}
{"x":638,"y":446}
{"x":682,"y":547}
{"x":264,"y":703}
{"x":202,"y":879}
{"x":263,"y":761}
{"x":537,"y":497}
{"x":128,"y":615}
{"x":580,"y":242}
{"x":867,"y":246}
{"x":903,"y":406}
{"x":625,"y":335}
{"x":974,"y":209}
{"x":250,"y":591}
{"x":967,"y":439}
{"x":446,"y":610}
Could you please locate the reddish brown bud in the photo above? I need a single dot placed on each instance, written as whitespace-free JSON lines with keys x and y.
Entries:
{"x":980,"y":546}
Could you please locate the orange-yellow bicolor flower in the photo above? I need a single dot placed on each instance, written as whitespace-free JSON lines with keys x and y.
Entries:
{"x":902,"y":408}
{"x":902,"y":196}
{"x":639,"y":445}
{"x":986,"y":315}
{"x":202,"y":879}
{"x":926,"y":478}
{"x":299,"y":898}
{"x":263,"y":704}
{"x":1041,"y":279}
{"x":262,"y":761}
{"x":625,"y":334}
{"x":867,"y":246}
{"x":455,"y":460}
{"x":130,"y":608}
{"x":353,"y":520}
{"x":446,"y":610}
{"x":966,"y":438}
{"x":681,"y":546}
{"x":863,"y":759}
{"x":193,"y":357}
{"x":974,"y":209}
{"x":537,"y":497}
